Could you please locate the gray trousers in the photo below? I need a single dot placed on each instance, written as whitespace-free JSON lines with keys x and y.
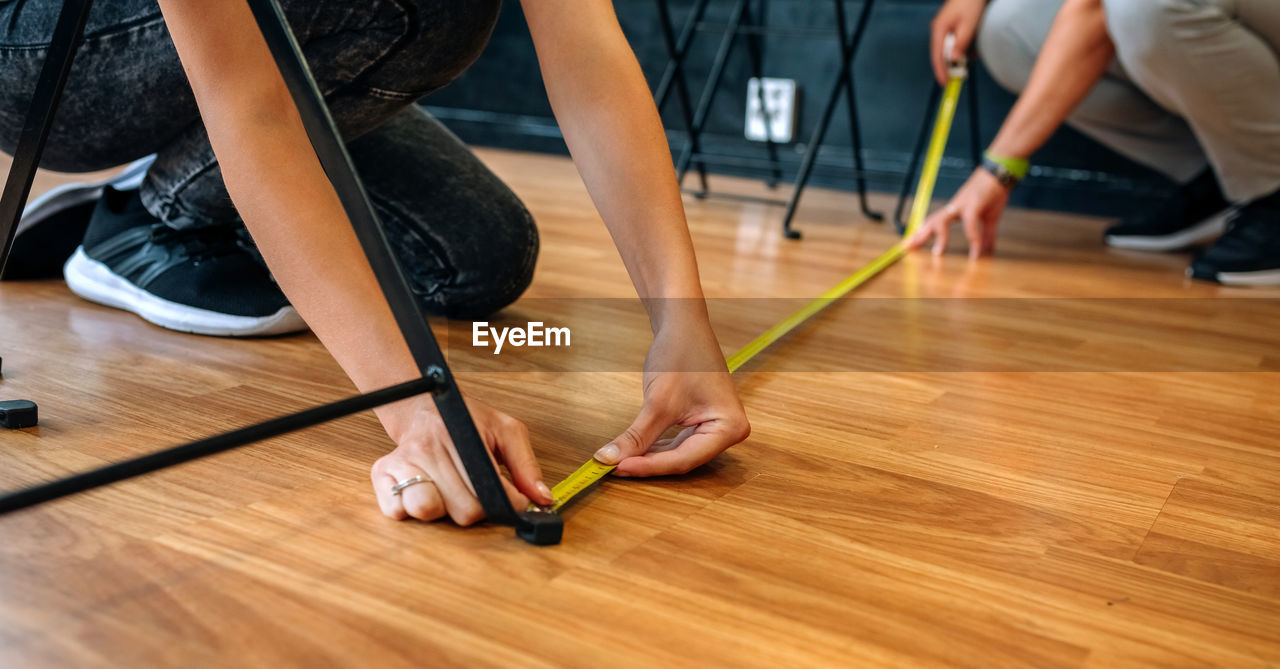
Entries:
{"x":1194,"y":83}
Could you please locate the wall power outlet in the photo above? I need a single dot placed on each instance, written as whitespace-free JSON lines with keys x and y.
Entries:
{"x":780,"y":98}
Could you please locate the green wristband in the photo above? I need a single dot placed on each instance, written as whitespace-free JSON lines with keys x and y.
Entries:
{"x":1018,"y":167}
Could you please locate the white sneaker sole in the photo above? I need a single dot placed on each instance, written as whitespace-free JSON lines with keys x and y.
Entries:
{"x":1266,"y":277}
{"x":95,"y":282}
{"x":1203,"y":231}
{"x":70,"y":195}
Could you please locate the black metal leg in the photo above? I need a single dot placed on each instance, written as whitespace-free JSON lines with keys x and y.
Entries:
{"x":331,"y":151}
{"x":848,"y":50}
{"x":675,"y":62}
{"x":806,"y":163}
{"x":756,"y":56}
{"x":855,"y":127}
{"x":35,"y":131}
{"x":859,"y":169}
{"x":674,"y":73}
{"x":917,"y":152}
{"x":195,"y":450}
{"x":713,"y":83}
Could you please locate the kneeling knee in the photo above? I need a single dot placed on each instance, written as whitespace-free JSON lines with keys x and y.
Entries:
{"x":498,"y":275}
{"x":444,"y":39}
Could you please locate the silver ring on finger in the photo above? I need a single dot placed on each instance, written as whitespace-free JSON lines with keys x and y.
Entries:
{"x":412,"y":480}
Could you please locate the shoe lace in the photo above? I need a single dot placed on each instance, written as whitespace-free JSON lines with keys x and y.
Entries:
{"x":199,"y":243}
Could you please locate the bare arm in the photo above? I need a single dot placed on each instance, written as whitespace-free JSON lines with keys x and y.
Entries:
{"x":1075,"y":55}
{"x":286,"y":201}
{"x":615,"y":135}
{"x":611,"y":125}
{"x":281,"y":191}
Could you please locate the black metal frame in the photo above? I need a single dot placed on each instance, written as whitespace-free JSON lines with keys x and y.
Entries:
{"x":533,"y":526}
{"x":674,"y":73}
{"x":741,"y":22}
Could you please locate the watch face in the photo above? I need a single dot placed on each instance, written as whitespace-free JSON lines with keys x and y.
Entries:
{"x":1000,"y":172}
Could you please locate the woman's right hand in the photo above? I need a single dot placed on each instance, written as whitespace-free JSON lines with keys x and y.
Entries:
{"x":978,"y":205}
{"x":425,"y":449}
{"x":957,"y":17}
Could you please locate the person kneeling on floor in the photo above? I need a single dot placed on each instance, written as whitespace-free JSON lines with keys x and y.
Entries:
{"x":233,"y":228}
{"x":1189,"y":88}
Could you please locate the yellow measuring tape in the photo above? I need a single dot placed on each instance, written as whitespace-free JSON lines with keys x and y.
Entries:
{"x":593,"y":470}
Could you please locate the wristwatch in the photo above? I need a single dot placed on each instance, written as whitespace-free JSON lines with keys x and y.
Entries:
{"x":1008,"y":171}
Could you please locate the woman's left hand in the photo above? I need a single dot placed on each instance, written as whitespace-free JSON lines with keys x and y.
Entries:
{"x":685,"y":384}
{"x":978,"y":205}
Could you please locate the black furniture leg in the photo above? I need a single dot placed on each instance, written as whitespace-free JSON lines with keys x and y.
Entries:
{"x":756,"y":55}
{"x":195,"y":450}
{"x":824,"y":121}
{"x":35,"y":131}
{"x":67,"y":33}
{"x":806,"y":163}
{"x":713,"y":84}
{"x":325,"y":139}
{"x":675,"y":62}
{"x":855,"y":127}
{"x":676,"y":50}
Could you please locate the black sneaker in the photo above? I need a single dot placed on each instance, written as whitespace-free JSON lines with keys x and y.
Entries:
{"x":1249,"y":253}
{"x":202,"y":281}
{"x":1195,"y":214}
{"x":53,"y":224}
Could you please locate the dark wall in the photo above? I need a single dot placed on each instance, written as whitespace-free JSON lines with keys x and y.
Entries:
{"x":501,"y":102}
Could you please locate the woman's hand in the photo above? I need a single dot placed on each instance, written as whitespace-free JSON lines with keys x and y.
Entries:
{"x":425,"y":449}
{"x":978,"y":204}
{"x":614,"y":132}
{"x":686,"y":384}
{"x":957,"y":17}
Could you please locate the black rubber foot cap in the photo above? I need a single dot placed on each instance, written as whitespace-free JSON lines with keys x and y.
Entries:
{"x":17,"y":414}
{"x":540,"y":528}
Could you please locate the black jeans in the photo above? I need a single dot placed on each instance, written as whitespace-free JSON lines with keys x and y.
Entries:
{"x":467,"y":242}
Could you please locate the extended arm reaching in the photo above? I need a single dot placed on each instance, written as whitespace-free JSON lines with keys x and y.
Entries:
{"x":1075,"y":55}
{"x":615,"y":135}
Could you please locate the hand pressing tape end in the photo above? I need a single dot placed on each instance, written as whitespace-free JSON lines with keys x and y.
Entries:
{"x":17,"y":414}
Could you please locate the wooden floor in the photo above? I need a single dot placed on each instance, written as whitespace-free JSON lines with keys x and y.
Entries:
{"x":1080,"y":508}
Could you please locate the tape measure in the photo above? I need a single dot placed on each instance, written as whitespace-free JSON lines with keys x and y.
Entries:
{"x":593,"y":470}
